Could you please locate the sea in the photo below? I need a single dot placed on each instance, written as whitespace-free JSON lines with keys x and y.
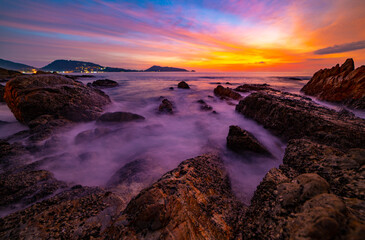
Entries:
{"x":166,"y":139}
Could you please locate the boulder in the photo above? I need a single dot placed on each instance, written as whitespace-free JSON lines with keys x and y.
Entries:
{"x":119,"y":117}
{"x":343,"y":84}
{"x":222,"y":92}
{"x":292,"y":116}
{"x":193,"y":201}
{"x":252,"y":87}
{"x":6,"y":75}
{"x":166,"y":107}
{"x":90,"y":135}
{"x":240,"y":140}
{"x":32,"y":96}
{"x":183,"y":85}
{"x":104,"y":83}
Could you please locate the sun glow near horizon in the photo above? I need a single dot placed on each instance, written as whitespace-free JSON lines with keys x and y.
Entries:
{"x":200,"y":35}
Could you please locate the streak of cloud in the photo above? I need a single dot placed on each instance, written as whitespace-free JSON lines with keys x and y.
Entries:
{"x":347,"y":47}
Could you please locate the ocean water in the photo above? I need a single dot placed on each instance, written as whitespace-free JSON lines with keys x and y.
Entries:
{"x":164,"y":139}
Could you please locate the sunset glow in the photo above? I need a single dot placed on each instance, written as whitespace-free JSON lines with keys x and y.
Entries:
{"x":297,"y":36}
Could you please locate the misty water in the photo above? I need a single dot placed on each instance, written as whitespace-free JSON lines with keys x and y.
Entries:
{"x":167,"y":140}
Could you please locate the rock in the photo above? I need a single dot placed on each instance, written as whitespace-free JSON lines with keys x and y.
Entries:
{"x":6,"y":75}
{"x":12,"y":155}
{"x":32,"y":96}
{"x":104,"y":83}
{"x":119,"y":117}
{"x":343,"y":84}
{"x":78,"y":213}
{"x":166,"y":107}
{"x":222,"y":92}
{"x":292,"y":116}
{"x":183,"y":85}
{"x":193,"y":201}
{"x":39,"y":72}
{"x":90,"y":135}
{"x":204,"y":106}
{"x":2,"y":91}
{"x":240,"y":140}
{"x":171,"y":88}
{"x":252,"y":87}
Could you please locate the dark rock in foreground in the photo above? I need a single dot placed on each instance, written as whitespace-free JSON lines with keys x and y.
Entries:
{"x":104,"y":83}
{"x":119,"y":117}
{"x":240,"y":140}
{"x":30,"y":97}
{"x":90,"y":135}
{"x":292,"y":116}
{"x":6,"y":75}
{"x":204,"y":106}
{"x":2,"y":91}
{"x":166,"y":107}
{"x":343,"y":84}
{"x":222,"y":92}
{"x":193,"y":201}
{"x":183,"y":85}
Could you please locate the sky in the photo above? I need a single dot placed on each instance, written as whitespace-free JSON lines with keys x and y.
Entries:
{"x":204,"y":35}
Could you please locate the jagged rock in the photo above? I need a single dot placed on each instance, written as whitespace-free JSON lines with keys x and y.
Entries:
{"x":252,"y":87}
{"x":193,"y":201}
{"x":292,"y":116}
{"x":183,"y":85}
{"x":90,"y":135}
{"x":2,"y":91}
{"x":222,"y":92}
{"x":79,"y":213}
{"x":119,"y":117}
{"x":32,"y":96}
{"x":166,"y":107}
{"x":103,"y":83}
{"x":343,"y":84}
{"x":240,"y":140}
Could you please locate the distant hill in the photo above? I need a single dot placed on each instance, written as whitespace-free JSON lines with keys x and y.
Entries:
{"x":165,"y":69}
{"x":72,"y":66}
{"x":15,"y":66}
{"x":112,"y":69}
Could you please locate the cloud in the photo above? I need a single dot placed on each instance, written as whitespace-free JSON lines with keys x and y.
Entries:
{"x":341,"y":48}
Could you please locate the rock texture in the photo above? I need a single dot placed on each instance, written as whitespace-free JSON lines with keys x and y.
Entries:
{"x":6,"y":75}
{"x":222,"y":92}
{"x":292,"y":116}
{"x":119,"y":117}
{"x":341,"y":84}
{"x":2,"y":91}
{"x":183,"y":85}
{"x":104,"y":83}
{"x":193,"y":201}
{"x":166,"y":107}
{"x":252,"y":87}
{"x":240,"y":140}
{"x":30,"y":97}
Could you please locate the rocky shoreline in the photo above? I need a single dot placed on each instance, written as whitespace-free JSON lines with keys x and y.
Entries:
{"x":318,"y":192}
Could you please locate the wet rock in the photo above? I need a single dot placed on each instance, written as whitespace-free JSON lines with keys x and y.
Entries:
{"x":171,"y":88}
{"x":240,"y":140}
{"x":12,"y":155}
{"x":204,"y":106}
{"x":32,"y":96}
{"x":91,"y":135}
{"x":183,"y":85}
{"x":343,"y":84}
{"x":222,"y":92}
{"x":120,"y":117}
{"x":26,"y":187}
{"x":104,"y":83}
{"x":166,"y":107}
{"x":78,"y":213}
{"x":193,"y":201}
{"x":252,"y":87}
{"x":292,"y":116}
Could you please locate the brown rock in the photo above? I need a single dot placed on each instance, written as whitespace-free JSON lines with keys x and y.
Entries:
{"x":166,"y":107}
{"x":104,"y":83}
{"x":240,"y":140}
{"x":183,"y":85}
{"x":252,"y":87}
{"x":193,"y":201}
{"x":339,"y":84}
{"x":2,"y":91}
{"x":119,"y":117}
{"x":220,"y":91}
{"x":32,"y":96}
{"x":6,"y":75}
